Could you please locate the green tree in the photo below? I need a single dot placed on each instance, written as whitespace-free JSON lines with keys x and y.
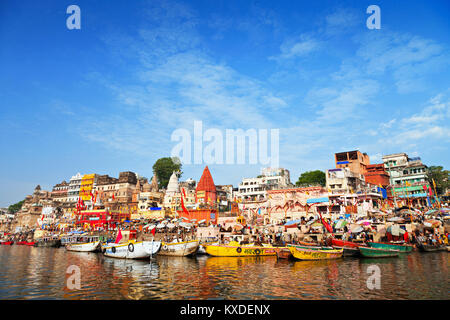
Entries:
{"x":163,"y":168}
{"x":310,"y":178}
{"x":440,"y":176}
{"x":15,"y":207}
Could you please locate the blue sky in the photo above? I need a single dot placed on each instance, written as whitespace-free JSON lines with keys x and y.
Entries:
{"x":107,"y":98}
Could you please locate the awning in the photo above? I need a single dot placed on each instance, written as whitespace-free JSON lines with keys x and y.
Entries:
{"x":318,"y":200}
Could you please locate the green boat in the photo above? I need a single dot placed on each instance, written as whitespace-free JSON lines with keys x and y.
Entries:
{"x":403,"y":248}
{"x":368,"y":252}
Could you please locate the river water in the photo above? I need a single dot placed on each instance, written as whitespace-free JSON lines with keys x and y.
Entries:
{"x":41,"y":273}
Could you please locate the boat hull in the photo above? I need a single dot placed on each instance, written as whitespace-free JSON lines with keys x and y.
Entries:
{"x":283,"y":253}
{"x":387,"y":246}
{"x":131,"y":249}
{"x":343,"y":243}
{"x":8,"y":243}
{"x":378,"y":253}
{"x":349,"y":251}
{"x":49,"y":243}
{"x":311,"y":254}
{"x":179,"y":249}
{"x":241,"y":251}
{"x":83,"y":247}
{"x":431,"y":248}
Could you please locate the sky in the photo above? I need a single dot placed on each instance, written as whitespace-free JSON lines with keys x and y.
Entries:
{"x":107,"y":97}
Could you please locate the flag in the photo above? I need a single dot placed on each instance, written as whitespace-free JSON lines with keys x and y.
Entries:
{"x":434,"y":183}
{"x":327,"y":226}
{"x":113,"y":197}
{"x":119,"y":237}
{"x":153,"y":231}
{"x":407,"y":184}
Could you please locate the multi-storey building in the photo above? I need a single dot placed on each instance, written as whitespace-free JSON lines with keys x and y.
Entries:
{"x":59,"y":192}
{"x":255,"y":189}
{"x":408,"y":176}
{"x":355,"y":161}
{"x":73,"y":192}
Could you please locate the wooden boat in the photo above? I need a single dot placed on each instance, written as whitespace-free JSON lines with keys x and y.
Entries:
{"x":8,"y":243}
{"x":179,"y":249}
{"x":368,"y":252}
{"x":310,"y":247}
{"x":131,"y":249}
{"x":311,"y":254}
{"x":343,"y":243}
{"x":283,"y":253}
{"x":349,"y":251}
{"x":233,"y":249}
{"x":30,"y":243}
{"x":430,"y":248}
{"x":403,"y":248}
{"x":21,"y":243}
{"x":47,"y":242}
{"x":448,"y":248}
{"x":309,"y":244}
{"x":81,"y":244}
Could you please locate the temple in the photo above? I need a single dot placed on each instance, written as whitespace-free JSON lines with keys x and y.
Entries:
{"x":205,"y":193}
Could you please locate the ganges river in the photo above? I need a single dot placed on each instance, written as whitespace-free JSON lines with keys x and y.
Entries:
{"x":41,"y":273}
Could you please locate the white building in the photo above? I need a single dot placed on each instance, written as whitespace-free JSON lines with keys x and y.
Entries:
{"x":255,"y":189}
{"x":73,"y":191}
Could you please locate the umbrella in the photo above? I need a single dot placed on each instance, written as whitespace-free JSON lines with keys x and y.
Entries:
{"x":364,"y":222}
{"x":310,"y":222}
{"x":396,"y":219}
{"x":432,"y":223}
{"x":340,"y":224}
{"x":185,"y":225}
{"x":201,"y":221}
{"x":431,"y":211}
{"x":357,"y":229}
{"x":238,"y":226}
{"x":395,"y":230}
{"x":160,"y":226}
{"x":292,"y":222}
{"x":316,"y":224}
{"x":170,"y":225}
{"x":193,"y":220}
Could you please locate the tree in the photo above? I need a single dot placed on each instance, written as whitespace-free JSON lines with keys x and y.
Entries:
{"x":163,"y":168}
{"x":310,"y":178}
{"x":439,"y":176}
{"x":15,"y":207}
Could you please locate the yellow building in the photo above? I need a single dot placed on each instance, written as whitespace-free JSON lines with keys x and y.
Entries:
{"x":87,"y":185}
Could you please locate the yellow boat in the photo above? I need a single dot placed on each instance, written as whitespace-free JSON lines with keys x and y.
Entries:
{"x":308,"y":254}
{"x":234,"y":249}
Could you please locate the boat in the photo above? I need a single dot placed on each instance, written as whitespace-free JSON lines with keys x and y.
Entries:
{"x":7,"y":243}
{"x":315,"y":254}
{"x":234,"y":249}
{"x":349,"y":251}
{"x":369,"y":252}
{"x":310,"y":244}
{"x":448,"y":248}
{"x":310,"y":247}
{"x":283,"y":253}
{"x":179,"y":249}
{"x":47,"y":242}
{"x":131,"y":249}
{"x":430,"y":248}
{"x":344,"y":243}
{"x":21,"y":243}
{"x":403,"y":248}
{"x":30,"y":243}
{"x":81,"y":244}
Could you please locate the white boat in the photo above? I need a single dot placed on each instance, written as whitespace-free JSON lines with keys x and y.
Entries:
{"x":179,"y":248}
{"x":81,"y":243}
{"x":131,"y":249}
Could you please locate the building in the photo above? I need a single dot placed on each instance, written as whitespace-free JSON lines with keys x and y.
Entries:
{"x":60,"y":192}
{"x":355,"y":161}
{"x":172,"y":197}
{"x":343,"y":180}
{"x":73,"y":191}
{"x":255,"y":189}
{"x":409,"y":179}
{"x":86,"y":188}
{"x":376,"y":174}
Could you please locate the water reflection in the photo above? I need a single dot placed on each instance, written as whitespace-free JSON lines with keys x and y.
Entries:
{"x":40,"y":273}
